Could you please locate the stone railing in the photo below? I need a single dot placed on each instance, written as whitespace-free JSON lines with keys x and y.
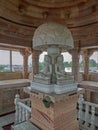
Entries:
{"x":23,"y":109}
{"x":87,"y":114}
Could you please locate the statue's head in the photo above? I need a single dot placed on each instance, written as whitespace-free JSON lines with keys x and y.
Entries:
{"x":60,"y":59}
{"x":47,"y":58}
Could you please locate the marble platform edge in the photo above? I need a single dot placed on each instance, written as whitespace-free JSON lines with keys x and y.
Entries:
{"x":53,"y":88}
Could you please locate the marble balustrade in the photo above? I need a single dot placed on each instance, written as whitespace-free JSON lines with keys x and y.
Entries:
{"x":23,"y":109}
{"x":87,"y":114}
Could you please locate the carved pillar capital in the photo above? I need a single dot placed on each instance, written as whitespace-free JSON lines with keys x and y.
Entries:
{"x":25,"y":52}
{"x":74,"y":51}
{"x":36,"y":53}
{"x":86,"y":52}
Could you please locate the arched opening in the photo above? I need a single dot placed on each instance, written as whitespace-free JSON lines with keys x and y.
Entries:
{"x":67,"y":61}
{"x":41,"y":60}
{"x":93,"y":62}
{"x":30,"y":64}
{"x":81,"y":67}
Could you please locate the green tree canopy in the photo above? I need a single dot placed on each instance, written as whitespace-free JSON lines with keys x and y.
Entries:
{"x":92,"y":63}
{"x":41,"y":65}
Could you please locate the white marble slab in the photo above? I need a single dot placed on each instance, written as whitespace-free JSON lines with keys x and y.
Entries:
{"x":53,"y":88}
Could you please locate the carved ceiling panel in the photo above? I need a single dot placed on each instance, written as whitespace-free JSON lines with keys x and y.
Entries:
{"x":20,"y":18}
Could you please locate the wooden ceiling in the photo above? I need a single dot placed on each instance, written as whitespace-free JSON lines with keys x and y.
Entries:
{"x":20,"y":18}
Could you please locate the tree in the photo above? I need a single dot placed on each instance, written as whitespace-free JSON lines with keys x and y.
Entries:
{"x":2,"y":68}
{"x":68,"y":64}
{"x":92,"y":63}
{"x":96,"y":64}
{"x":41,"y":65}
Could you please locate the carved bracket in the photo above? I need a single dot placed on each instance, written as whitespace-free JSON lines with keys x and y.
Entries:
{"x":47,"y":101}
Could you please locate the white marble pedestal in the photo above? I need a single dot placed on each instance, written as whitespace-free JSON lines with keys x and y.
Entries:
{"x":54,"y":88}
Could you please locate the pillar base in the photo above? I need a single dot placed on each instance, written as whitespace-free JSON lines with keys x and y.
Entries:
{"x":54,"y":112}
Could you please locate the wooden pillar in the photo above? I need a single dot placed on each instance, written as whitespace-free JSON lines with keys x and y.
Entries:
{"x":25,"y":53}
{"x":86,"y":61}
{"x":86,"y":54}
{"x":35,"y":61}
{"x":75,"y":63}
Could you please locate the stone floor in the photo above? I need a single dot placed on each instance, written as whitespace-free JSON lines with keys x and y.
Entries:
{"x":26,"y":125}
{"x":5,"y":120}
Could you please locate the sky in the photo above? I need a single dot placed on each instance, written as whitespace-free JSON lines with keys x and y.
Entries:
{"x":5,"y":57}
{"x":95,"y":56}
{"x":17,"y":57}
{"x":67,"y":56}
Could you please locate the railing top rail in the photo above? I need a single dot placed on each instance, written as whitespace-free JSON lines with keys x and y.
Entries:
{"x":90,"y":104}
{"x":24,"y":106}
{"x":24,"y":100}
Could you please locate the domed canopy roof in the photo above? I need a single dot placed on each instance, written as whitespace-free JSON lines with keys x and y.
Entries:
{"x":49,"y":34}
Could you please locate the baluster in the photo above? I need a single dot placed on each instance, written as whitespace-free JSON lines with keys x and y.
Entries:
{"x":80,"y":113}
{"x":23,"y":114}
{"x":92,"y":118}
{"x":27,"y":115}
{"x":29,"y":103}
{"x":20,"y":114}
{"x":86,"y":116}
{"x":17,"y":98}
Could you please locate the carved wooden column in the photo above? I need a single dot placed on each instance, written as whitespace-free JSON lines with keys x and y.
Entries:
{"x":35,"y":61}
{"x":86,"y":54}
{"x":75,"y":63}
{"x":25,"y":53}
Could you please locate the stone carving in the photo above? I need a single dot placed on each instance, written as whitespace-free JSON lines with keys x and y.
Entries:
{"x":47,"y":101}
{"x":53,"y":38}
{"x":52,"y":34}
{"x":59,"y":68}
{"x":44,"y":76}
{"x":53,"y":74}
{"x":61,"y":76}
{"x":53,"y":77}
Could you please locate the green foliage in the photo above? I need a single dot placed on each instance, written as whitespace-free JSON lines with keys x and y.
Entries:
{"x":67,"y":64}
{"x":41,"y":65}
{"x":81,"y":64}
{"x":92,"y":63}
{"x":2,"y":68}
{"x":96,"y":64}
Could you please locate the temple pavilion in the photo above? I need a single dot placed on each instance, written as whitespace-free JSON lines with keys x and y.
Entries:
{"x":48,"y":65}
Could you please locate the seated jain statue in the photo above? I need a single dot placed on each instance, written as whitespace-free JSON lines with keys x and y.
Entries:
{"x":44,"y":75}
{"x":61,"y":76}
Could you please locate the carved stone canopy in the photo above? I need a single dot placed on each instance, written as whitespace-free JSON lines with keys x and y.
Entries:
{"x":52,"y":34}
